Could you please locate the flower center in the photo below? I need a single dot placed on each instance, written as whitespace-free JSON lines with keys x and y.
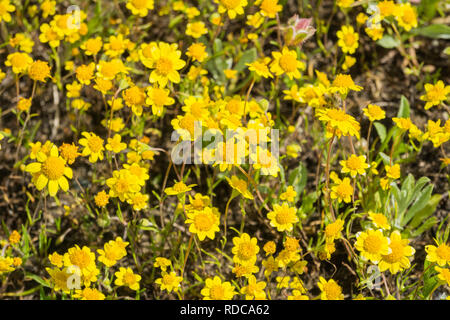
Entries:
{"x":288,"y":63}
{"x":372,"y":244}
{"x":332,"y":290}
{"x":217,"y":292}
{"x":246,"y":250}
{"x":443,"y":252}
{"x":203,"y":222}
{"x":53,"y":168}
{"x":283,"y":217}
{"x":397,"y":252}
{"x":95,"y":144}
{"x":122,"y":185}
{"x":164,"y":66}
{"x":349,"y":39}
{"x":80,"y":258}
{"x":129,"y":278}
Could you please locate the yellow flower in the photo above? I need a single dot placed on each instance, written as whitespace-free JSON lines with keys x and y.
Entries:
{"x":39,"y":71}
{"x":330,"y":290}
{"x":270,"y":247}
{"x":50,"y":170}
{"x":343,"y":83}
{"x":333,"y":230}
{"x":344,"y":3}
{"x":406,"y":16}
{"x":56,"y":259}
{"x":92,"y":46}
{"x":231,"y":7}
{"x":348,"y":62}
{"x":138,"y":200}
{"x":397,"y":260}
{"x":435,"y":94}
{"x":19,"y":61}
{"x":289,"y":195}
{"x":215,"y":289}
{"x":69,"y":152}
{"x":285,"y":62}
{"x":387,"y":8}
{"x":85,"y":73}
{"x":245,"y":249}
{"x":59,"y":278}
{"x":169,"y":281}
{"x":230,"y":73}
{"x":126,"y":277}
{"x":392,"y":172}
{"x":254,"y":290}
{"x":374,"y":112}
{"x":83,"y":258}
{"x":240,"y":185}
{"x":24,"y":104}
{"x":260,"y":67}
{"x":93,"y":146}
{"x":166,"y":62}
{"x":270,"y":8}
{"x":439,"y":254}
{"x":375,"y":32}
{"x":140,"y":7}
{"x":379,"y":220}
{"x":48,"y":8}
{"x":355,"y":165}
{"x":158,"y":98}
{"x":255,"y":20}
{"x":112,"y":251}
{"x":342,"y":191}
{"x":5,"y":8}
{"x":48,"y":34}
{"x":197,"y":51}
{"x":101,"y":199}
{"x":339,"y":121}
{"x":22,"y":42}
{"x":444,"y":274}
{"x":293,"y":150}
{"x":196,"y":29}
{"x":115,"y":145}
{"x":372,"y":244}
{"x":14,"y":237}
{"x":204,"y":223}
{"x":283,"y":217}
{"x":348,"y":39}
{"x":116,"y":45}
{"x":89,"y":294}
{"x":163,"y":263}
{"x":73,"y":89}
{"x":123,"y":184}
{"x":178,"y":188}
{"x":297,"y":295}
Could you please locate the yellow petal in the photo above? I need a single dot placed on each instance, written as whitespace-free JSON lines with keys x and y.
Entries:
{"x":33,"y":167}
{"x":68,"y":172}
{"x":52,"y":187}
{"x":41,"y":182}
{"x":63,"y":183}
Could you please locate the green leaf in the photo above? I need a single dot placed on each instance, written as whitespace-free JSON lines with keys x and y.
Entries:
{"x":404,"y":110}
{"x":427,"y":9}
{"x":421,"y":201}
{"x":388,"y":42}
{"x":381,"y":130}
{"x":247,"y":57}
{"x":435,"y":31}
{"x":298,"y":179}
{"x":38,"y":279}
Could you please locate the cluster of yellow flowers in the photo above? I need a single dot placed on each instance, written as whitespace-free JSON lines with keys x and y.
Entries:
{"x":8,"y":262}
{"x":78,"y":268}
